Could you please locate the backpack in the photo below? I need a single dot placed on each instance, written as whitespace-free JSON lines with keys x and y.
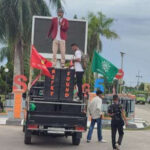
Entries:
{"x":84,"y":60}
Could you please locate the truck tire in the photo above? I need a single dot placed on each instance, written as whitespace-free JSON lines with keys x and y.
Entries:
{"x":76,"y":139}
{"x":27,"y":137}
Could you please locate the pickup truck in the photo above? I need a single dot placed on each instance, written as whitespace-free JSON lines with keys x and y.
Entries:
{"x":52,"y":109}
{"x":140,"y":98}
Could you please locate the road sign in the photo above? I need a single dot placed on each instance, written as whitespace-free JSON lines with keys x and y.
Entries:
{"x":120,"y":74}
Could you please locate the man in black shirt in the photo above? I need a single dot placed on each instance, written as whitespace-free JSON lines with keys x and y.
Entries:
{"x":118,"y":118}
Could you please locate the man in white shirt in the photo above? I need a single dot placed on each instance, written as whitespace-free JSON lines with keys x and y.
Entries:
{"x":78,"y":68}
{"x":95,"y":111}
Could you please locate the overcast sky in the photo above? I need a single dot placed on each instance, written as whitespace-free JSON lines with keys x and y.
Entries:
{"x":132,"y":24}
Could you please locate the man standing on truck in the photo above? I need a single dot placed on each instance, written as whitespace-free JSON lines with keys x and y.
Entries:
{"x":117,"y":114}
{"x":58,"y":32}
{"x":78,"y":68}
{"x":95,"y":111}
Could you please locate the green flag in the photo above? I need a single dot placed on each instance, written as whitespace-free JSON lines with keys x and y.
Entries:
{"x":104,"y":67}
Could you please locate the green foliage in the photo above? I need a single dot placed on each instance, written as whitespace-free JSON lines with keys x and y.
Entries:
{"x":6,"y":79}
{"x":141,"y":87}
{"x":75,"y":17}
{"x":99,"y":25}
{"x":56,"y":3}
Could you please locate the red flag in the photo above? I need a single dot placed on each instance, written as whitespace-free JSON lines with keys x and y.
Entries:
{"x":39,"y":62}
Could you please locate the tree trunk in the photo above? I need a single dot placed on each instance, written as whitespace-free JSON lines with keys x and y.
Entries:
{"x":18,"y":59}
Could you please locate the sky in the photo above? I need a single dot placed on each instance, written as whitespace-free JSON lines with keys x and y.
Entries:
{"x":131,"y":23}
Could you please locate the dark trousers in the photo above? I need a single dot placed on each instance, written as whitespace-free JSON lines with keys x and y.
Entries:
{"x":116,"y":126}
{"x":79,"y":77}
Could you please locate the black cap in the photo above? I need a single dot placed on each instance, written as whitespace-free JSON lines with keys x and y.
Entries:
{"x":98,"y":92}
{"x":115,"y":97}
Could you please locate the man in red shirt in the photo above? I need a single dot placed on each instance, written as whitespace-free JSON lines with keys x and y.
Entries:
{"x":58,"y":33}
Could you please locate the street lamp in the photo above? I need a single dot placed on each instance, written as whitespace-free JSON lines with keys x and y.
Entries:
{"x":121,"y":80}
{"x":6,"y":70}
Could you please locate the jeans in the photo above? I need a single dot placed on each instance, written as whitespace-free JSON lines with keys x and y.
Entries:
{"x":79,"y":76}
{"x":114,"y":127}
{"x":99,"y":129}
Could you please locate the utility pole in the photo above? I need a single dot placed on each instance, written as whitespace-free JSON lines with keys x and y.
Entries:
{"x":138,"y":79}
{"x":121,"y":80}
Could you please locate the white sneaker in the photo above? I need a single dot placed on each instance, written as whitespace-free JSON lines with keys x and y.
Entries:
{"x":103,"y":141}
{"x":77,"y":99}
{"x":117,"y":146}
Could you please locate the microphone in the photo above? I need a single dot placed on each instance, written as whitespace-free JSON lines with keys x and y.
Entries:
{"x":59,"y":18}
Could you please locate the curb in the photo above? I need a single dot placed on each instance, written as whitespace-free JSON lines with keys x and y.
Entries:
{"x":137,"y":124}
{"x":11,"y":121}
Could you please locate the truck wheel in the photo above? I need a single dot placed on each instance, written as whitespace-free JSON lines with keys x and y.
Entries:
{"x":75,"y":139}
{"x":27,"y":137}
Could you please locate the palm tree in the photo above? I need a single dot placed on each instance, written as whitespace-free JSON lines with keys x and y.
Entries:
{"x":99,"y":25}
{"x":15,"y":26}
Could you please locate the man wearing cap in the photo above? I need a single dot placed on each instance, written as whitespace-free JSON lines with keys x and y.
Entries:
{"x":117,"y":114}
{"x":58,"y":33}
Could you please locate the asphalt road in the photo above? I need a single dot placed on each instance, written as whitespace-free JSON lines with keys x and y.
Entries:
{"x":12,"y":138}
{"x":143,"y":111}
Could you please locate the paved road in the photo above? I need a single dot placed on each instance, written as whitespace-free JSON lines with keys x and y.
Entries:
{"x":143,"y":111}
{"x":12,"y":139}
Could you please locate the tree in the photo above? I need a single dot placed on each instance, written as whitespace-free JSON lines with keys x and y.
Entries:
{"x":99,"y":25}
{"x":141,"y":87}
{"x":6,"y":79}
{"x":75,"y":17}
{"x":15,"y":26}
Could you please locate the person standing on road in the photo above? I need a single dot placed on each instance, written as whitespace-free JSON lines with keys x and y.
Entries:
{"x":78,"y":68}
{"x":58,"y":33}
{"x":117,"y":114}
{"x":95,"y":111}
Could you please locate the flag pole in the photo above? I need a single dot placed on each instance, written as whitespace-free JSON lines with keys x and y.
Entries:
{"x":30,"y":80}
